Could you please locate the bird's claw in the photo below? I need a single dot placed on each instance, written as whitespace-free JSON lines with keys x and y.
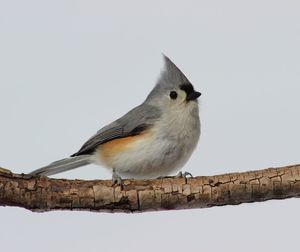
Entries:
{"x":180,"y":174}
{"x":116,"y":179}
{"x":184,"y":175}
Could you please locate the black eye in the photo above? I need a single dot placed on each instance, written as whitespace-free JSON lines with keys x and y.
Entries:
{"x":173,"y":95}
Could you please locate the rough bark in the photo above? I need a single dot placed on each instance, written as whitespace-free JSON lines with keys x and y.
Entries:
{"x":46,"y":194}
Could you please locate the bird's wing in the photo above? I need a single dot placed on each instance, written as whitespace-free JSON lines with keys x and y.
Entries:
{"x":133,"y":123}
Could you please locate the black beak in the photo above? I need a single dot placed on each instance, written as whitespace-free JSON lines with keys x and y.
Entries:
{"x":193,"y":96}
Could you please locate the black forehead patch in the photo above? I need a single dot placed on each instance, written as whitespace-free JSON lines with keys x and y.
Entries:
{"x":187,"y":87}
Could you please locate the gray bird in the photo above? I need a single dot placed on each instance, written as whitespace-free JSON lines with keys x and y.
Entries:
{"x":154,"y":139}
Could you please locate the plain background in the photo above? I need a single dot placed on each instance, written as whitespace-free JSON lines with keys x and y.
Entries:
{"x":67,"y":68}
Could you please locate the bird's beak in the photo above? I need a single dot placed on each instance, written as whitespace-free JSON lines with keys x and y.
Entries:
{"x":193,"y":96}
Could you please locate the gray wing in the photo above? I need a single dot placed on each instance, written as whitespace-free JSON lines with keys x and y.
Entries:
{"x":133,"y":123}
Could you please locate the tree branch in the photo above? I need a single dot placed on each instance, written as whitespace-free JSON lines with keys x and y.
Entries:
{"x":46,"y":194}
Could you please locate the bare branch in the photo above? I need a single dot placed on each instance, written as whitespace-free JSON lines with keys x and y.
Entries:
{"x":46,"y":194}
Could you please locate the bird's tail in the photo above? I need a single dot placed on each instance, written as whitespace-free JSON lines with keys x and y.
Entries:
{"x":63,"y":165}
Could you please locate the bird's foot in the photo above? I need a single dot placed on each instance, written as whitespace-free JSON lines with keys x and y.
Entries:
{"x":178,"y":175}
{"x":184,"y":175}
{"x":116,"y":179}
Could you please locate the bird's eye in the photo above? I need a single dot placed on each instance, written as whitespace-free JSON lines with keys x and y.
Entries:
{"x":173,"y":95}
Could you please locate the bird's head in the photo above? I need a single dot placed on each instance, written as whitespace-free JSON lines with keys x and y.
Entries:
{"x":173,"y":90}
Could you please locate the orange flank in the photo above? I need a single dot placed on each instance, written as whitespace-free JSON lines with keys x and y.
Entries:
{"x":111,"y":149}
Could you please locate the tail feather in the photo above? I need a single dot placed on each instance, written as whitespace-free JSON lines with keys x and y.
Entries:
{"x":63,"y":165}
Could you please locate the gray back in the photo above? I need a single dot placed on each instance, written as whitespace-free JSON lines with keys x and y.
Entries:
{"x":133,"y":123}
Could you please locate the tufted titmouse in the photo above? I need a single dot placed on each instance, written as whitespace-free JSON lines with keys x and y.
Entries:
{"x":152,"y":140}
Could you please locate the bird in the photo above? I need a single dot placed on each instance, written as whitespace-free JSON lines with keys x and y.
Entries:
{"x":154,"y":139}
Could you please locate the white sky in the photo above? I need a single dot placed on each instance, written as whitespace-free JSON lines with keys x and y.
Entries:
{"x":68,"y":68}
